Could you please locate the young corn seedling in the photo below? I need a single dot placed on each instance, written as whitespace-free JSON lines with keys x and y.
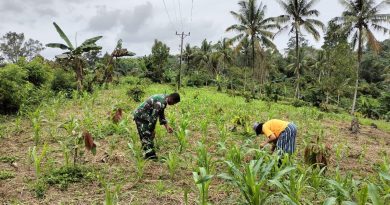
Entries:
{"x":235,"y":155}
{"x":111,"y":191}
{"x":36,"y":120}
{"x":181,"y":135}
{"x":252,"y":178}
{"x":37,"y":158}
{"x":202,"y":181}
{"x":204,"y":129}
{"x":293,"y":188}
{"x":172,"y":162}
{"x":138,"y":157}
{"x":203,"y":158}
{"x":341,"y":189}
{"x":65,"y":152}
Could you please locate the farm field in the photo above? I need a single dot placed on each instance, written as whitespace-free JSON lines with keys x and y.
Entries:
{"x":212,"y":157}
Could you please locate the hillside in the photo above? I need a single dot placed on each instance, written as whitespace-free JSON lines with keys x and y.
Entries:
{"x":203,"y":115}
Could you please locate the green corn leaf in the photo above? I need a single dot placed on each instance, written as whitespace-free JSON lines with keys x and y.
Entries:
{"x":385,"y":176}
{"x":330,"y":201}
{"x":373,"y":193}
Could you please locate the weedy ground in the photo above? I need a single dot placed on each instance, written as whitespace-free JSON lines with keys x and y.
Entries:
{"x":203,"y":115}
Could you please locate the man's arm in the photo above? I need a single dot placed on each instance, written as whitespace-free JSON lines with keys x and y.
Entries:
{"x":163,"y":120}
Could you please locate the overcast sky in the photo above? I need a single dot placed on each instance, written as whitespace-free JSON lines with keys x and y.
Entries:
{"x":137,"y":22}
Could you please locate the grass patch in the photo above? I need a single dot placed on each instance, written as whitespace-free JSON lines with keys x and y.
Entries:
{"x":64,"y":176}
{"x":7,"y":159}
{"x":6,"y":175}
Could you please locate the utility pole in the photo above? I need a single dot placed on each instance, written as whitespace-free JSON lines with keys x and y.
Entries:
{"x":182,"y":36}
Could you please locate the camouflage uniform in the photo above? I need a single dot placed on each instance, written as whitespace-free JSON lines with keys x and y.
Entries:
{"x":145,"y":117}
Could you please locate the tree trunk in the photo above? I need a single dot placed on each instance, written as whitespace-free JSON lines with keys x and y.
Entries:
{"x":357,"y":71}
{"x":297,"y":94}
{"x":79,"y":75}
{"x":253,"y":54}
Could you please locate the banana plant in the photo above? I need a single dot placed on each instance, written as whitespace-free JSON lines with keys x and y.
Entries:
{"x":74,"y":54}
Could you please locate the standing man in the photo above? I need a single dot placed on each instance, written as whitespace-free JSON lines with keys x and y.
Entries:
{"x":145,"y":117}
{"x":280,"y":133}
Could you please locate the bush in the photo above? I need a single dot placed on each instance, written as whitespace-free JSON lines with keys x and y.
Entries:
{"x":38,"y":71}
{"x":14,"y":88}
{"x":199,"y":79}
{"x":63,"y":81}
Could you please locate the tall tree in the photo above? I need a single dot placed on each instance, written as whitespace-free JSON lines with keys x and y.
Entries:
{"x":224,"y":53}
{"x":14,"y":46}
{"x":300,"y":13}
{"x":203,"y":55}
{"x":253,"y":25}
{"x":358,"y":21}
{"x":159,"y":57}
{"x":74,"y":54}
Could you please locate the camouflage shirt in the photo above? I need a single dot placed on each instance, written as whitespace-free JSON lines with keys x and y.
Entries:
{"x":152,"y":109}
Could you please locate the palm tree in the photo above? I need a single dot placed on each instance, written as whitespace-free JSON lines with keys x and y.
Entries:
{"x":203,"y":55}
{"x":299,"y":13}
{"x":358,"y":21}
{"x":75,"y":54}
{"x":224,"y":51}
{"x":253,"y":25}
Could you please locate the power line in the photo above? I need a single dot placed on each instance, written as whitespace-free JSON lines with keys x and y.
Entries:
{"x":169,"y":17}
{"x":181,"y":17}
{"x":192,"y":7}
{"x":174,"y":9}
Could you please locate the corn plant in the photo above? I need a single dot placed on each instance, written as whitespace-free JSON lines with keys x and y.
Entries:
{"x":140,"y":162}
{"x":181,"y":135}
{"x":204,"y":129}
{"x":17,"y":125}
{"x":235,"y":155}
{"x":75,"y":140}
{"x":37,"y":158}
{"x":172,"y":162}
{"x":203,"y":158}
{"x":316,"y":178}
{"x":374,"y":195}
{"x":65,"y":152}
{"x":202,"y":181}
{"x":36,"y":120}
{"x":340,"y":190}
{"x":253,"y":178}
{"x":111,"y":191}
{"x":293,"y":188}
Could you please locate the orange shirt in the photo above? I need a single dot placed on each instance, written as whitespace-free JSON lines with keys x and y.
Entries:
{"x":274,"y":126}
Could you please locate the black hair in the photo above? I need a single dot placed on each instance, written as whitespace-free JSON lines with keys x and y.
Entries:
{"x":259,"y":128}
{"x":175,"y":97}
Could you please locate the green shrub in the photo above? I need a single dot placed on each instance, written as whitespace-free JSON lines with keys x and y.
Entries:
{"x":14,"y":88}
{"x":300,"y":103}
{"x":136,"y":93}
{"x":63,"y":81}
{"x":38,"y":71}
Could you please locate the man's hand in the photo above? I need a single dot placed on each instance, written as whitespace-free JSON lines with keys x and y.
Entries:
{"x":169,"y":129}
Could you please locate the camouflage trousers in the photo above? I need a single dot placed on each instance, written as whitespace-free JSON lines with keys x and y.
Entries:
{"x":146,"y":134}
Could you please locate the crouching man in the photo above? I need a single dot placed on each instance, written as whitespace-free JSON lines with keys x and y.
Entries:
{"x":145,"y":117}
